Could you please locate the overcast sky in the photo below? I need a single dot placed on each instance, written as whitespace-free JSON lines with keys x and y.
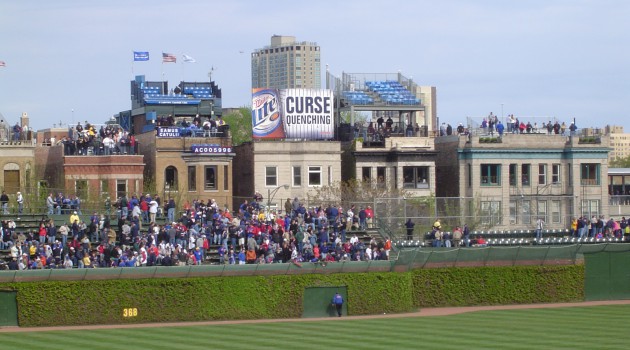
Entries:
{"x":538,"y":58}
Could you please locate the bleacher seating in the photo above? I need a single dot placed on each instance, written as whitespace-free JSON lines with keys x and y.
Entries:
{"x":392,"y":92}
{"x":198,"y":91}
{"x":153,"y":93}
{"x":358,"y":98}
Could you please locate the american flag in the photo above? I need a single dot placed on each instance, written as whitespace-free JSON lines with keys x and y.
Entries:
{"x":168,"y":57}
{"x":3,"y":64}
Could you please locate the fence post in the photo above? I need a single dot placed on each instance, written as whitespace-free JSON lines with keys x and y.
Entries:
{"x":459,"y":249}
{"x":518,"y":250}
{"x":485,"y":260}
{"x":425,"y":262}
{"x":545,"y":257}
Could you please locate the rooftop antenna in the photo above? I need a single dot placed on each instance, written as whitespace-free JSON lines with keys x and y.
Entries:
{"x":212,"y":69}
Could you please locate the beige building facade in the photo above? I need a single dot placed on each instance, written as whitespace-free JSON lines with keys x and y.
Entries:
{"x":619,"y":142}
{"x":287,"y":64}
{"x":188,"y":168}
{"x":406,"y":163}
{"x":285,"y":169}
{"x":17,"y":161}
{"x":509,"y":183}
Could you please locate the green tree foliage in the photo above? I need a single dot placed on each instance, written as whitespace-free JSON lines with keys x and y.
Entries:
{"x":354,"y":191}
{"x":620,"y":162}
{"x":240,"y":123}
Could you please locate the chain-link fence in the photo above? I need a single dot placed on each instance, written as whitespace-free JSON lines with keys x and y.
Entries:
{"x":502,"y":256}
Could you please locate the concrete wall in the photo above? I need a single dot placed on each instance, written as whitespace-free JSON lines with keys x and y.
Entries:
{"x":285,"y":155}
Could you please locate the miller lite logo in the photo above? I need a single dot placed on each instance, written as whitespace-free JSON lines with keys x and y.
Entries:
{"x":266,"y":121}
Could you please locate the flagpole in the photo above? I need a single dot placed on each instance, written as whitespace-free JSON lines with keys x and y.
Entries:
{"x":183,"y":72}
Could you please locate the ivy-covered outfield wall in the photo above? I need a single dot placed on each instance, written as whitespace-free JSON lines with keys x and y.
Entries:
{"x":54,"y":303}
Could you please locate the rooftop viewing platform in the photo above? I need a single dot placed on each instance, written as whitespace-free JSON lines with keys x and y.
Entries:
{"x":398,"y":143}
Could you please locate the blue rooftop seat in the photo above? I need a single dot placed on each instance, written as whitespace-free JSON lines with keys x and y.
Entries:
{"x":392,"y":92}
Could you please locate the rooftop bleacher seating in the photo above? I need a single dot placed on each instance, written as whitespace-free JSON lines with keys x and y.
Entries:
{"x":358,"y":98}
{"x":392,"y":92}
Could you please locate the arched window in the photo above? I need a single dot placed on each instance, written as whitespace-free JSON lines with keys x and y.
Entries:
{"x":170,"y":178}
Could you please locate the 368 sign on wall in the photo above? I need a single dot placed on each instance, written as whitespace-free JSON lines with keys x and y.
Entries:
{"x":292,"y":114}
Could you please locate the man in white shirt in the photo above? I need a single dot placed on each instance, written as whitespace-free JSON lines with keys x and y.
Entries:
{"x":153,"y":208}
{"x":20,"y":202}
{"x":108,"y":145}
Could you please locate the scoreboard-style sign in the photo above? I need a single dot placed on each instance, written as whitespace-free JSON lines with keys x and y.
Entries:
{"x":168,"y":132}
{"x":210,"y":149}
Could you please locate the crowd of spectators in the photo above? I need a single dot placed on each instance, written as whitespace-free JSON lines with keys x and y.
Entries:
{"x":598,"y":227}
{"x":492,"y":124}
{"x":198,"y":126}
{"x":88,"y":140}
{"x":251,"y":235}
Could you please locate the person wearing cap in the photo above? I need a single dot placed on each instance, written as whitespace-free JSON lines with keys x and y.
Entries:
{"x":20,"y":202}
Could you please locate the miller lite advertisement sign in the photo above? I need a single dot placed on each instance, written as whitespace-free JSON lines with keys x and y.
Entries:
{"x":292,"y":114}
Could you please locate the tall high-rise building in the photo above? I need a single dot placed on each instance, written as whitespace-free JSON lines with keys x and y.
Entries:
{"x":286,"y":64}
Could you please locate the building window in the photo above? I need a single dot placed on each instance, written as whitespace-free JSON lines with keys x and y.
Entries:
{"x":513,"y":175}
{"x":541,"y":212}
{"x":104,"y":188}
{"x":314,"y":176}
{"x":394,"y":177}
{"x":210,"y":177}
{"x":416,"y":177}
{"x":526,"y":217}
{"x":469,"y":173}
{"x":490,"y":213}
{"x":121,"y":188}
{"x":381,"y":178}
{"x":525,"y":174}
{"x":81,"y":188}
{"x":555,"y":174}
{"x":170,"y":178}
{"x":590,"y":207}
{"x":366,"y":173}
{"x":330,"y":175}
{"x":490,"y":174}
{"x":226,"y":178}
{"x":297,"y":176}
{"x":192,"y":178}
{"x":542,"y":174}
{"x":570,"y":174}
{"x":513,"y":212}
{"x":271,"y":176}
{"x":589,"y":174}
{"x":556,"y":218}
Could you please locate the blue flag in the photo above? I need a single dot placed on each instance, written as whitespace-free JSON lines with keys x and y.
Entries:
{"x":140,"y":55}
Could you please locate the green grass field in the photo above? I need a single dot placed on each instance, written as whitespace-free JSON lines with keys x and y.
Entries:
{"x":596,"y":327}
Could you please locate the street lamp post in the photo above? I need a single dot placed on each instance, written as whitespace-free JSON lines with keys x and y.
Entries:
{"x":272,"y":192}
